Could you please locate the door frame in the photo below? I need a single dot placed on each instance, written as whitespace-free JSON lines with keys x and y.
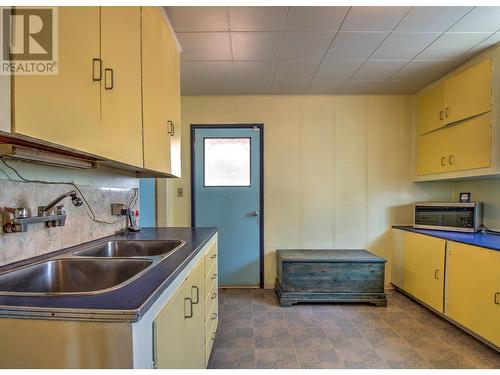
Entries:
{"x":260,"y":126}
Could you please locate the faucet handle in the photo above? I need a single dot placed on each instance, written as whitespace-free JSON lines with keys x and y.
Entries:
{"x":60,"y":210}
{"x":21,"y":213}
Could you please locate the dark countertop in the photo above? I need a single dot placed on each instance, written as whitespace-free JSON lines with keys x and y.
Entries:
{"x":331,"y":256}
{"x":128,"y":303}
{"x":488,"y":241}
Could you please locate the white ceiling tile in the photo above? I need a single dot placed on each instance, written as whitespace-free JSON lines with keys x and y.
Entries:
{"x":403,"y":46}
{"x":254,"y":71}
{"x":484,"y":45}
{"x":325,"y":87}
{"x":425,"y":71}
{"x":375,"y":18}
{"x":451,"y":45}
{"x":269,"y":18}
{"x":336,"y":70}
{"x":399,"y":87}
{"x":431,"y":19}
{"x":211,"y":71}
{"x":305,"y":46}
{"x":289,"y":87}
{"x":253,"y":87}
{"x":198,"y":18}
{"x":295,"y":70}
{"x":206,"y":46}
{"x":255,"y":45}
{"x":378,"y":70}
{"x":354,"y":45}
{"x":479,"y":19}
{"x":315,"y":18}
{"x":360,"y":87}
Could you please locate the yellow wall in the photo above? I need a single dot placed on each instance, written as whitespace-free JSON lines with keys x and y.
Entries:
{"x":338,"y":169}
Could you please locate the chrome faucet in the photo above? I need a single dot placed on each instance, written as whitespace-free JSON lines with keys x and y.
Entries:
{"x":44,"y":210}
{"x":22,"y":216}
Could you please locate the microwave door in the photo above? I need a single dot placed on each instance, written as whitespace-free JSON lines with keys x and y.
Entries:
{"x":432,"y":216}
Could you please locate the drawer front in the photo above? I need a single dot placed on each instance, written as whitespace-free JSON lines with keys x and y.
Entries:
{"x":210,"y":257}
{"x":333,"y":277}
{"x":212,"y":275}
{"x":212,"y":320}
{"x":211,"y":294}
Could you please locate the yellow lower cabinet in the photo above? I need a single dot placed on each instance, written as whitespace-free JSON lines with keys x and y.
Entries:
{"x":423,"y":268}
{"x":473,"y":289}
{"x":179,"y":328}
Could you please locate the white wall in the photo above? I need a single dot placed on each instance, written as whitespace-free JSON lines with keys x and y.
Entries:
{"x":337,"y":169}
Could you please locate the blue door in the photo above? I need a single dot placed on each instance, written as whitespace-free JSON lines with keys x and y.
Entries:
{"x":226,"y":194}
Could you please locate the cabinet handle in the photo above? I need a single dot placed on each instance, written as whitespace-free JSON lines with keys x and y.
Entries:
{"x":214,"y":295}
{"x":443,"y":161}
{"x":214,"y":276}
{"x":99,"y":77}
{"x":451,"y":159}
{"x":214,"y":256}
{"x":436,"y":274}
{"x":213,"y":336}
{"x":171,"y":129}
{"x":497,"y":298}
{"x":112,"y":79}
{"x":190,"y":315}
{"x":197,"y":294}
{"x":441,"y":115}
{"x":214,"y":316}
{"x":447,"y":112}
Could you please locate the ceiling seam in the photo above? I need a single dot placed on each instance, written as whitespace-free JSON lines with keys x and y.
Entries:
{"x":231,"y":48}
{"x":326,"y":51}
{"x":431,"y":43}
{"x":364,"y":62}
{"x":279,"y":50}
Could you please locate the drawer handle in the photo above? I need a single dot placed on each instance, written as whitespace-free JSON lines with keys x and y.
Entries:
{"x":213,"y":336}
{"x":190,"y":315}
{"x":497,"y":298}
{"x":214,"y":276}
{"x":214,"y":295}
{"x":214,"y":316}
{"x":441,"y":115}
{"x":443,"y":161}
{"x":112,"y":79}
{"x":436,"y":274}
{"x":197,"y":299}
{"x":451,"y":159}
{"x":171,"y":130}
{"x":447,"y":112}
{"x":214,"y":256}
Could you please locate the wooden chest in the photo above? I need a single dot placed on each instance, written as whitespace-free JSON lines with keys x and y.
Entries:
{"x":330,"y":276}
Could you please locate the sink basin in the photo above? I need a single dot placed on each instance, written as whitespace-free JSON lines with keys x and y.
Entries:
{"x":126,"y":248}
{"x":71,"y":276}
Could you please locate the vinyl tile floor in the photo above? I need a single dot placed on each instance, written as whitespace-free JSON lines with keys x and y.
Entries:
{"x":255,"y":332}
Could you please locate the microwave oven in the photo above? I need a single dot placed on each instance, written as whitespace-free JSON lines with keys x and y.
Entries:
{"x":457,"y":217}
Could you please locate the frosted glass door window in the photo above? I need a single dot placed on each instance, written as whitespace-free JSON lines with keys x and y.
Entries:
{"x":227,"y":161}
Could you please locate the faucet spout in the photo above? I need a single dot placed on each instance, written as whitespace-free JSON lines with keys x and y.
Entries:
{"x":44,"y":210}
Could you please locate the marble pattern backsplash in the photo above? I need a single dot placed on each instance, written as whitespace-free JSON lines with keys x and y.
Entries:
{"x":79,"y":227}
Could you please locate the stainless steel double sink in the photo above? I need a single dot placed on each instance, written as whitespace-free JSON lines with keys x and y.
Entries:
{"x":92,"y":269}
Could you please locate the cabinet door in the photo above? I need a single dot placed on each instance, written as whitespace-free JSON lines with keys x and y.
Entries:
{"x":156,"y":60}
{"x":469,"y":143}
{"x":179,"y":328}
{"x":432,"y":152}
{"x":473,"y":289}
{"x":423,"y":268}
{"x":431,"y":110}
{"x":64,"y":109}
{"x":468,"y":93}
{"x":121,"y":86}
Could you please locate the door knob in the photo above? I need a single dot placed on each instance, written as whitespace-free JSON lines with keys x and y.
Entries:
{"x":254,"y":213}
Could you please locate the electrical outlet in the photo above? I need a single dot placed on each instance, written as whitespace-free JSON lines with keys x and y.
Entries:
{"x":180,"y":192}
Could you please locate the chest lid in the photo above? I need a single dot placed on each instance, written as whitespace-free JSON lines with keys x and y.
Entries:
{"x":328,"y":256}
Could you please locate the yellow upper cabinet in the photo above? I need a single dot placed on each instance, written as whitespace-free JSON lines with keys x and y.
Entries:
{"x":121,"y":84}
{"x":64,"y":109}
{"x":161,"y":94}
{"x":430,"y":109}
{"x":466,"y":145}
{"x":423,"y":268}
{"x":473,"y":289}
{"x":468,"y":93}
